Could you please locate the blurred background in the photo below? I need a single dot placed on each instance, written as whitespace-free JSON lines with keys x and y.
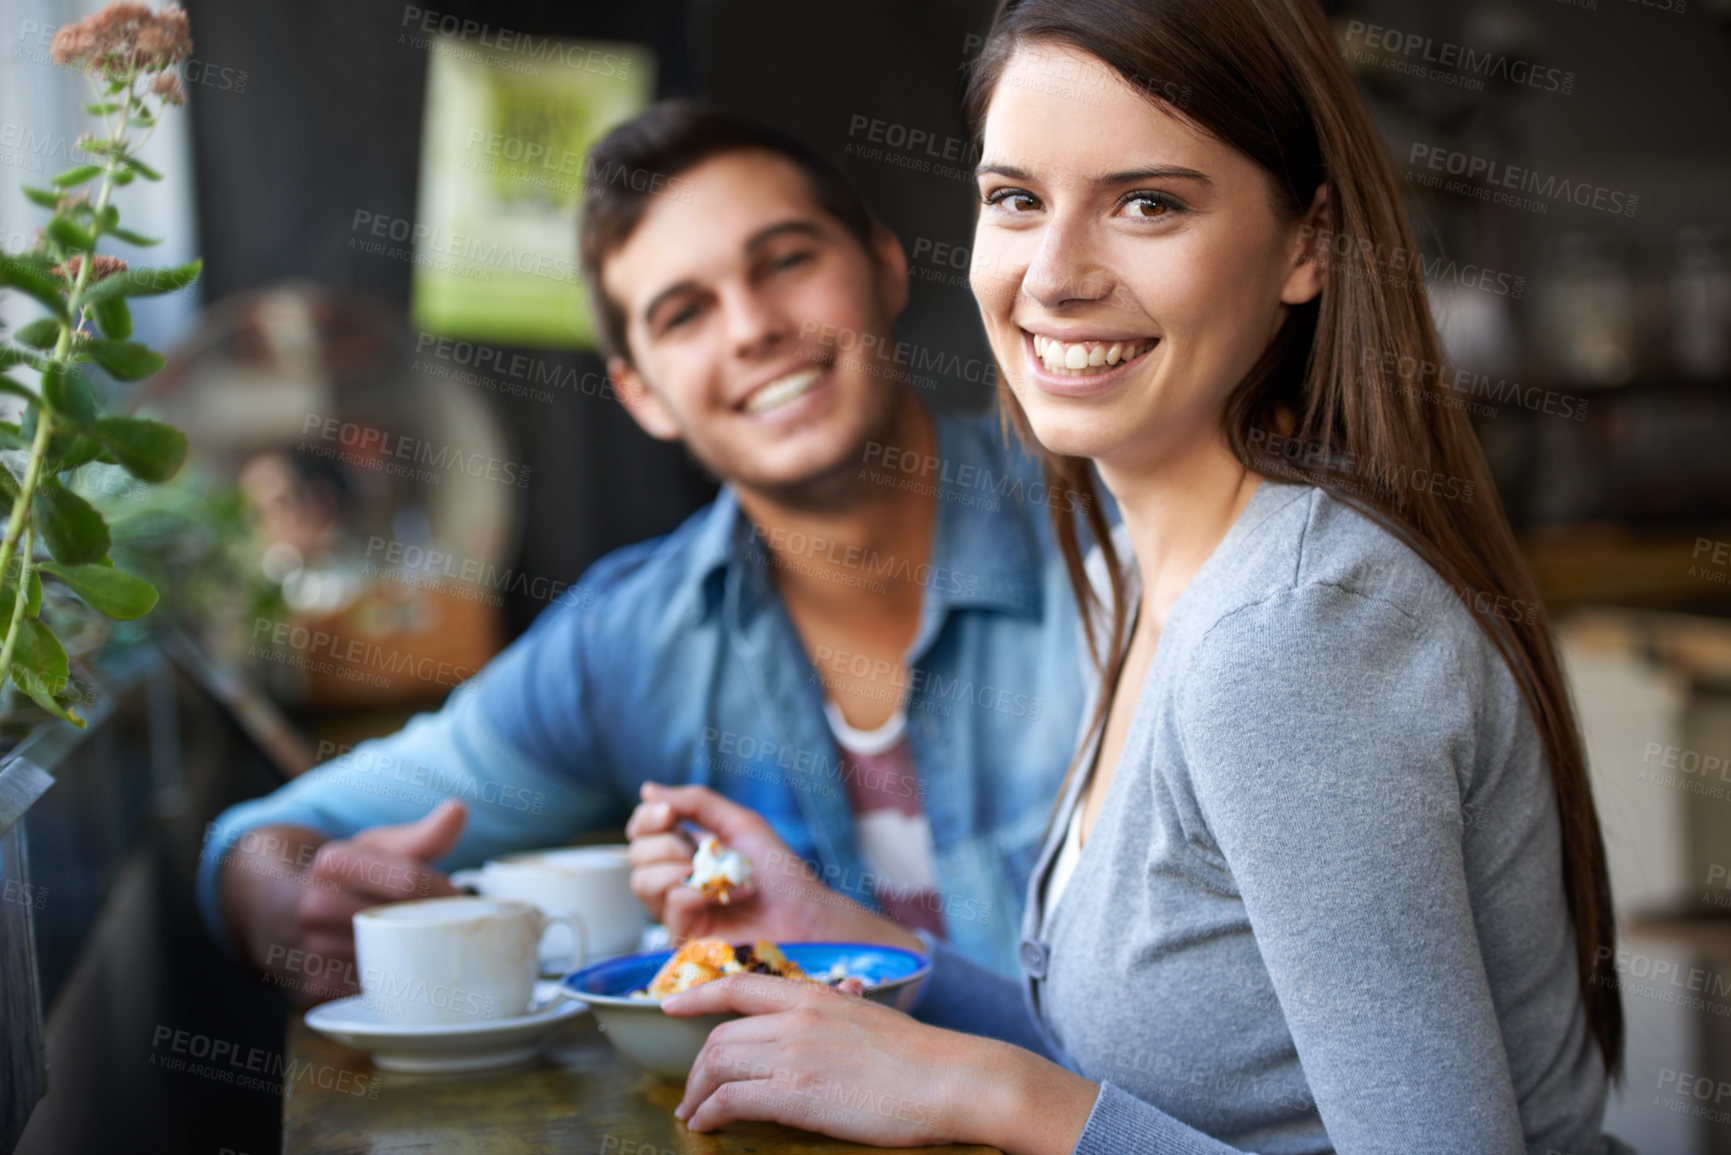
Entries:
{"x":384,"y":197}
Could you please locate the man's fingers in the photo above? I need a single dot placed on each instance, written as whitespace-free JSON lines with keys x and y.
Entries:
{"x":363,"y":871}
{"x":430,"y":838}
{"x":655,"y":849}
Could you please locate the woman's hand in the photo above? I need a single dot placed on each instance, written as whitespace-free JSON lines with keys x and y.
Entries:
{"x":830,"y":1061}
{"x":781,"y":903}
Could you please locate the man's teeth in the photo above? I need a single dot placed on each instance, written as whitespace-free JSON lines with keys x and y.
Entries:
{"x":784,"y":389}
{"x":1083,"y":358}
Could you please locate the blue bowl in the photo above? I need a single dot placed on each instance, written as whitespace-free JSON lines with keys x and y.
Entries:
{"x":656,"y":1041}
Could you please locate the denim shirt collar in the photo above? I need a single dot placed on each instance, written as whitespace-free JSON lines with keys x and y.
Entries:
{"x":986,"y":551}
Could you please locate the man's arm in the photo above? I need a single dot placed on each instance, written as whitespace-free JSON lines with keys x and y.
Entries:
{"x":470,"y":751}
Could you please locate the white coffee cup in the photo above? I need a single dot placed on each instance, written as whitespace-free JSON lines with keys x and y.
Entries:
{"x":449,"y":960}
{"x":588,"y":885}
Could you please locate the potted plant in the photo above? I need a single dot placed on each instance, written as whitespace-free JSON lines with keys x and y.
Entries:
{"x":53,"y":537}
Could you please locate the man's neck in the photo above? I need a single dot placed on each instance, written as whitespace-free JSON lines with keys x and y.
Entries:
{"x":846,"y":553}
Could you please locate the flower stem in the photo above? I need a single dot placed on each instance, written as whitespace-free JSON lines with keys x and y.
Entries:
{"x":15,"y":527}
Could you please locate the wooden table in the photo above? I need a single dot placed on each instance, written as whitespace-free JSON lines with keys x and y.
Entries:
{"x":581,"y":1099}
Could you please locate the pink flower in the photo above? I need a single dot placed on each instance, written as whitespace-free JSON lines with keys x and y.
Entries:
{"x":124,"y":39}
{"x":103,"y":266}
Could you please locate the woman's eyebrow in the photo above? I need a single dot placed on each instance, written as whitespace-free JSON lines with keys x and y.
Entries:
{"x":1128,"y":176}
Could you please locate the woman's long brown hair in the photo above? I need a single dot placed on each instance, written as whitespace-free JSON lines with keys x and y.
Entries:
{"x":1356,"y":375}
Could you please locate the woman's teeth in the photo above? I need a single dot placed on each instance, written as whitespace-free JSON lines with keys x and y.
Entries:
{"x":1085,"y":358}
{"x":784,"y":389}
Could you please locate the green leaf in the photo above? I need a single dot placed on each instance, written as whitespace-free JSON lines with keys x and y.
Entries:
{"x":39,"y":668}
{"x":68,"y":393}
{"x":149,"y":450}
{"x":68,"y":449}
{"x":42,"y":333}
{"x":35,"y":280}
{"x":11,"y":437}
{"x":122,"y":178}
{"x":73,"y":177}
{"x":47,"y":198}
{"x":119,"y":595}
{"x":115,"y":87}
{"x":133,"y":238}
{"x":11,"y":355}
{"x":124,"y":360}
{"x":103,"y":109}
{"x":70,"y":526}
{"x":113,"y":318}
{"x":71,"y":235}
{"x":143,"y":282}
{"x":16,"y":389}
{"x":142,"y":169}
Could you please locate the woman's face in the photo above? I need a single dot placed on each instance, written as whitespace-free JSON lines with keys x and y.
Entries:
{"x":1130,"y":269}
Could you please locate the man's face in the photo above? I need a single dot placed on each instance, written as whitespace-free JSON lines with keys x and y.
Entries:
{"x":745,"y":307}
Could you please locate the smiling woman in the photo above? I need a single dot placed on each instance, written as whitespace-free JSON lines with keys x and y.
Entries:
{"x":1250,"y":928}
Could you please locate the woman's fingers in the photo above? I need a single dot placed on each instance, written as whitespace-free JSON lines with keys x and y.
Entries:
{"x":731,"y":822}
{"x":654,"y":849}
{"x":653,"y":884}
{"x":650,"y":817}
{"x":746,"y":994}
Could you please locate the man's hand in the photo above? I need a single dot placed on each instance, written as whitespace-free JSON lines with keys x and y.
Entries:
{"x":289,"y":897}
{"x":782,"y":902}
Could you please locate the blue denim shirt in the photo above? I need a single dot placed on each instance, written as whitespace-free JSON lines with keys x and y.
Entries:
{"x":674,"y":660}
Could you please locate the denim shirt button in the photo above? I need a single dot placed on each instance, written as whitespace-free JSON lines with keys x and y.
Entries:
{"x":1033,"y":959}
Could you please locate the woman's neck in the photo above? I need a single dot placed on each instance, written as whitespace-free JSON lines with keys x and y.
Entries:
{"x":1176,"y":513}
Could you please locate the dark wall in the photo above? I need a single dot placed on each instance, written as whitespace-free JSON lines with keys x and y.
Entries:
{"x":329,"y":124}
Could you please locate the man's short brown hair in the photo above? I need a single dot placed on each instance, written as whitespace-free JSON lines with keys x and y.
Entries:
{"x":645,"y":156}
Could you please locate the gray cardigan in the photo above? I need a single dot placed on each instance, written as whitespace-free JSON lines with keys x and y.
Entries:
{"x":1322,"y":907}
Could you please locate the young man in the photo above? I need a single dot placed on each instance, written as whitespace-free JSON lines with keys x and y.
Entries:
{"x":868,"y":637}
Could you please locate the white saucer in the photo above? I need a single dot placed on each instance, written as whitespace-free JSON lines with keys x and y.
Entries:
{"x":430,"y":1047}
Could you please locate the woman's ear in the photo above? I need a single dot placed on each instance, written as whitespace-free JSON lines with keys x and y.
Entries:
{"x":1310,"y":249}
{"x":640,"y":401}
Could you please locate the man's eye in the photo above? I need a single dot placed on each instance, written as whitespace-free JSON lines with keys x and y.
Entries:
{"x":1012,"y":200}
{"x":790,"y":260}
{"x":680,"y":317}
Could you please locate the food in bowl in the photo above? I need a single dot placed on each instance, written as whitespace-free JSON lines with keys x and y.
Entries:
{"x":718,"y":871}
{"x":704,"y":960}
{"x":616,"y":991}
